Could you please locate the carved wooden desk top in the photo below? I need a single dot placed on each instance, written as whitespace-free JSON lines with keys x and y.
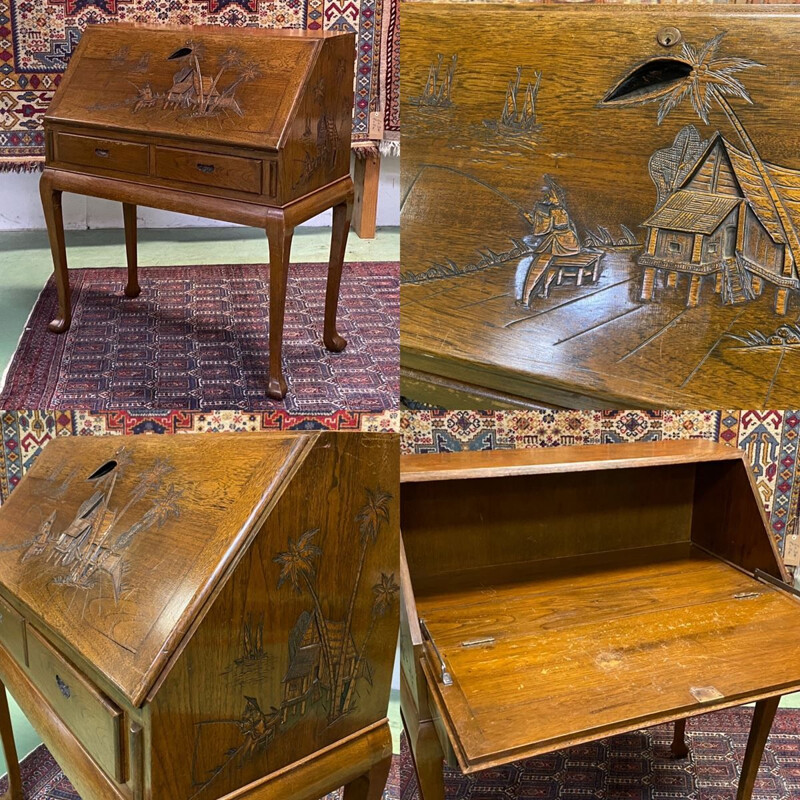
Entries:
{"x":181,"y":617}
{"x":273,"y":102}
{"x":600,"y":204}
{"x":249,"y":126}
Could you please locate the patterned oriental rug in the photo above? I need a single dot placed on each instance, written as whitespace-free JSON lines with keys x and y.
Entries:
{"x":38,"y":37}
{"x":638,"y":766}
{"x":42,"y":779}
{"x":196,"y":339}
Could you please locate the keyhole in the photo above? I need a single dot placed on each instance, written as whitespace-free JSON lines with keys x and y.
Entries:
{"x":667,"y":37}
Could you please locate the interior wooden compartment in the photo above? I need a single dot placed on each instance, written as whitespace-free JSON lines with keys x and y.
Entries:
{"x":517,"y":525}
{"x":633,"y":579}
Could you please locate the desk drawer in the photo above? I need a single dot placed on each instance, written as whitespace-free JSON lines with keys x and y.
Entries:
{"x":209,"y":169}
{"x":91,"y":716}
{"x":12,"y":632}
{"x":109,"y":154}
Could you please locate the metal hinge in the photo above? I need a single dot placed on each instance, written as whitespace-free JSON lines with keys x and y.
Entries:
{"x":446,"y":679}
{"x":765,"y":577}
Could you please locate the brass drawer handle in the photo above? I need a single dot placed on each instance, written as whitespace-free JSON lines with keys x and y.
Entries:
{"x":102,"y":153}
{"x":63,"y":688}
{"x":207,"y":168}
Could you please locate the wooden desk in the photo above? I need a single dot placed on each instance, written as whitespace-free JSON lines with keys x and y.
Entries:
{"x":573,"y":240}
{"x":243,"y":125}
{"x":187,"y":617}
{"x":560,"y":596}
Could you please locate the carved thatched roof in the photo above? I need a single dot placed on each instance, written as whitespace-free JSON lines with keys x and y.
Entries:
{"x":693,"y":212}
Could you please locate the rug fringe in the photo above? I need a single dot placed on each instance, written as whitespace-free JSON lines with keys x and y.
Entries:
{"x":22,"y":166}
{"x":389,"y":148}
{"x":366,"y":149}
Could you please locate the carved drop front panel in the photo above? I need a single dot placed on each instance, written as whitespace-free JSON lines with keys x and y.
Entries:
{"x":602,"y":203}
{"x":111,"y":548}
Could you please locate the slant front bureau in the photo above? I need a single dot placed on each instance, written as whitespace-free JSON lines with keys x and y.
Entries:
{"x":203,"y":617}
{"x":555,"y":597}
{"x":247,"y":125}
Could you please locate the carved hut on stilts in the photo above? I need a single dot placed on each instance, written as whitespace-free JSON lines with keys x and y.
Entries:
{"x":721,"y":221}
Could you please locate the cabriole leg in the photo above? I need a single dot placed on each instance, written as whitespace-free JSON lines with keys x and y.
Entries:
{"x":54,"y":219}
{"x":371,"y":785}
{"x":9,"y":750}
{"x":280,"y":244}
{"x":759,"y":731}
{"x":679,"y":747}
{"x":428,"y":758}
{"x":342,"y":214}
{"x":129,"y":215}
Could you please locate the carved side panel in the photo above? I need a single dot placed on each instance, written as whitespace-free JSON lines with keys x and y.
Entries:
{"x":318,"y":147}
{"x":298,"y":648}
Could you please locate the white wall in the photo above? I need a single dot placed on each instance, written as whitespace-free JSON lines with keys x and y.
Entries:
{"x":20,"y":207}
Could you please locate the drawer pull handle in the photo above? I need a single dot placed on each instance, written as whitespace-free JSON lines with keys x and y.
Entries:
{"x":207,"y":168}
{"x":63,"y":688}
{"x":101,"y":152}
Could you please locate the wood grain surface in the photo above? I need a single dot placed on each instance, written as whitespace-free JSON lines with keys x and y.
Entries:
{"x":505,"y":214}
{"x":206,"y":509}
{"x":247,"y":584}
{"x":553,"y":597}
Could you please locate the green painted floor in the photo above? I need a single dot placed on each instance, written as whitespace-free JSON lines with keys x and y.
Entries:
{"x":25,"y":262}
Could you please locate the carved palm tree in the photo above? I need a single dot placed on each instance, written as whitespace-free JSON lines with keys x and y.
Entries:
{"x":299,"y":567}
{"x":230,"y":59}
{"x":370,"y":518}
{"x":705,"y":79}
{"x":385,"y":592}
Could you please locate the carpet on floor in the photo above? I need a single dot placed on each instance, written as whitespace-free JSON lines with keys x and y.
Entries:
{"x":196,"y":339}
{"x":638,"y":766}
{"x":42,"y":779}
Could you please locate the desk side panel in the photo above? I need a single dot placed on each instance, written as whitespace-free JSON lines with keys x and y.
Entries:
{"x":730,"y":521}
{"x":297,"y":650}
{"x":317,"y":147}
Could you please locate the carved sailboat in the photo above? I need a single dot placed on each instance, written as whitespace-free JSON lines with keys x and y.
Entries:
{"x":438,"y":87}
{"x":518,"y":115}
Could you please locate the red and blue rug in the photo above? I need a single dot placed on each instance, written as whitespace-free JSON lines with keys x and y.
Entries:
{"x":638,"y":766}
{"x":42,"y":779}
{"x":196,"y":339}
{"x":633,"y":766}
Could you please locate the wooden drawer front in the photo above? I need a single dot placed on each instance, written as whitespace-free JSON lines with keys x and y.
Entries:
{"x":108,"y":154}
{"x":92,"y":717}
{"x":12,"y":632}
{"x":208,"y":169}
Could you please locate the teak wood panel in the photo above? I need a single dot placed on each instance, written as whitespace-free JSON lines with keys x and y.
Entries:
{"x":95,"y":721}
{"x":242,"y":700}
{"x":463,"y":525}
{"x":574,"y":458}
{"x":577,"y":657}
{"x":171,"y":542}
{"x":492,"y":301}
{"x":118,"y":67}
{"x":317,"y":148}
